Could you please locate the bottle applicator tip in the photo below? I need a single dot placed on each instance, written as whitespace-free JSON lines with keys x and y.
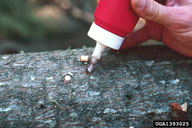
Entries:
{"x":90,"y":68}
{"x":97,"y":53}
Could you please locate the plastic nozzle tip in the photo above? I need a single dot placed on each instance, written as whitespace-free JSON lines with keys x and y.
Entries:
{"x":90,"y":68}
{"x":99,"y":49}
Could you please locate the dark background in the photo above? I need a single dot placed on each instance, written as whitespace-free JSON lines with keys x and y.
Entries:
{"x":45,"y":25}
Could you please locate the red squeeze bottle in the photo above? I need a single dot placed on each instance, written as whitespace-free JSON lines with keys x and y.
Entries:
{"x":114,"y":19}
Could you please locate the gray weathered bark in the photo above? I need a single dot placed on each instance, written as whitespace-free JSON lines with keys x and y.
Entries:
{"x":129,"y":89}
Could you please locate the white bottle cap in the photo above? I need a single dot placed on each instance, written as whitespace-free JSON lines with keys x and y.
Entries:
{"x":105,"y":37}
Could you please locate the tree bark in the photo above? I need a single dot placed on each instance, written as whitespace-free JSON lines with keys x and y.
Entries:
{"x":130,"y":88}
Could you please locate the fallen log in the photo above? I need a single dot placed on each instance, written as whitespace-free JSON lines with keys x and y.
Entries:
{"x":131,"y":88}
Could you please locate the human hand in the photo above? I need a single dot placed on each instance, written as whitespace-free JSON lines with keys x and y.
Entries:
{"x":170,"y":23}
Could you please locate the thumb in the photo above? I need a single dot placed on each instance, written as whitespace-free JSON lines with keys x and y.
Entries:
{"x":151,"y":10}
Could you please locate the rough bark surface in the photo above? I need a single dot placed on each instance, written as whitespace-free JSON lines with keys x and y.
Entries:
{"x":126,"y":89}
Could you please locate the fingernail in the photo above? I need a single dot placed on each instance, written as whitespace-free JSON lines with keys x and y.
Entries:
{"x":140,"y":4}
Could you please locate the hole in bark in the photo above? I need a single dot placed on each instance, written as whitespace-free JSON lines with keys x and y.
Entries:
{"x":87,"y":72}
{"x":138,"y":88}
{"x":41,"y":106}
{"x":129,"y":96}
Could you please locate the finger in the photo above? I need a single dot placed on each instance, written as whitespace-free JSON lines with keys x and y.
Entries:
{"x":176,"y":45}
{"x":152,"y":10}
{"x":135,"y":38}
{"x":98,"y":1}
